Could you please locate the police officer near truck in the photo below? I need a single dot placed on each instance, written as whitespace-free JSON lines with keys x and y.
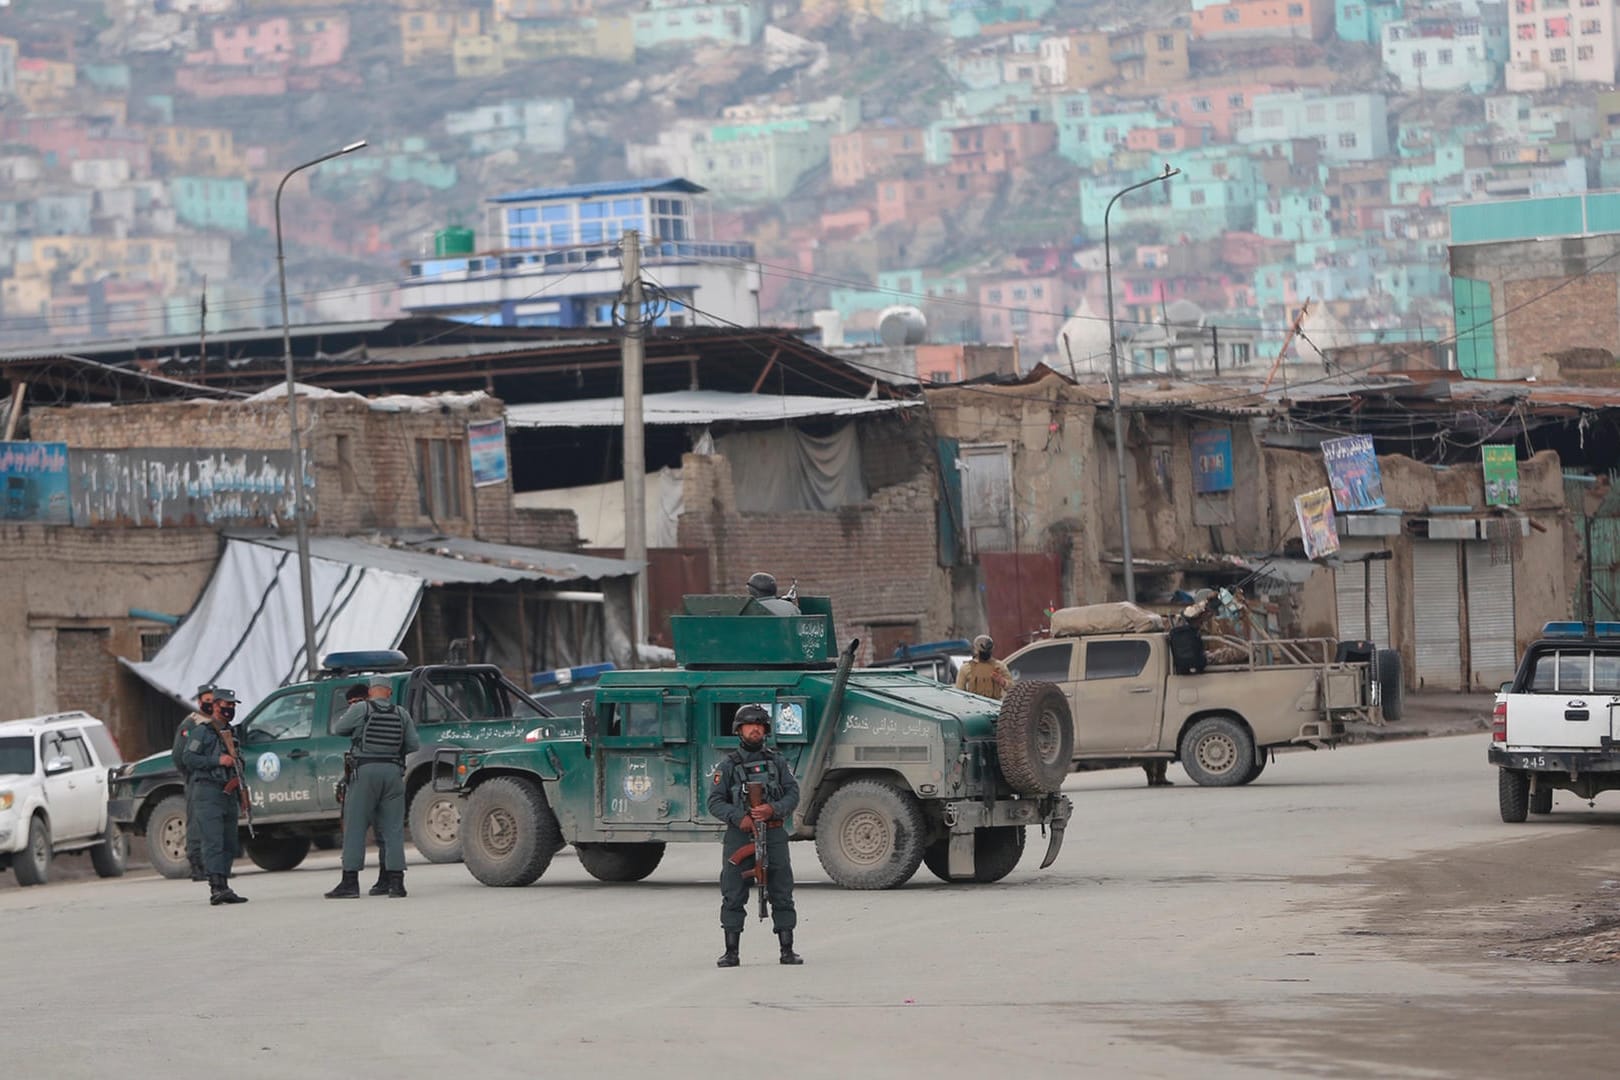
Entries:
{"x":754,"y":762}
{"x":211,"y":758}
{"x":203,"y":714}
{"x":383,"y":734}
{"x":762,"y":590}
{"x":984,"y":674}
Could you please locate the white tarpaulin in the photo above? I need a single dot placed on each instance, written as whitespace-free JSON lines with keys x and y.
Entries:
{"x":600,"y":509}
{"x":247,"y":633}
{"x":695,"y":408}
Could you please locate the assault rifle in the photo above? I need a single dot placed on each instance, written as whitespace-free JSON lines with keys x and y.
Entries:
{"x":237,"y":784}
{"x":348,"y":775}
{"x":759,"y":850}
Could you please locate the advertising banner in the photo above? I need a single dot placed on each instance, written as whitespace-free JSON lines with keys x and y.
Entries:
{"x":1353,"y":473}
{"x":1212,"y":460}
{"x":1501,"y":476}
{"x":1316,"y":524}
{"x":486,"y":448}
{"x":35,"y":477}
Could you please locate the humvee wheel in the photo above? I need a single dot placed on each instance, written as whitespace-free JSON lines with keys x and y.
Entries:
{"x":1218,"y":751}
{"x":277,"y":853}
{"x":870,"y":835}
{"x":996,"y":852}
{"x":1513,"y":794}
{"x":620,"y":862}
{"x":1035,"y":737}
{"x":435,"y":821}
{"x":166,"y":838}
{"x":508,"y":832}
{"x":1541,"y":800}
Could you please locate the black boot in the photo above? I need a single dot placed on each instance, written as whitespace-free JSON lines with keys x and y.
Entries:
{"x":396,"y":884}
{"x":729,"y":958}
{"x":788,"y":955}
{"x":348,"y":888}
{"x":197,"y":873}
{"x":381,"y":888}
{"x":220,"y":893}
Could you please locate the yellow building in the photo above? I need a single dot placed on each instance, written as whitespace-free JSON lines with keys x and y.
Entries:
{"x":206,"y":151}
{"x":476,"y":56}
{"x":608,"y":37}
{"x":425,"y":34}
{"x":79,"y":260}
{"x":41,"y":83}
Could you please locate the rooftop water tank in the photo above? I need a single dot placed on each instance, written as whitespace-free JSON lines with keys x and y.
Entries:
{"x":455,"y":240}
{"x":902,"y":325}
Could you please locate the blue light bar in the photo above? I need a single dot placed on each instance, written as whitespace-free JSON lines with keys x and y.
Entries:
{"x":954,"y":645}
{"x":1578,"y":629}
{"x":543,"y":680}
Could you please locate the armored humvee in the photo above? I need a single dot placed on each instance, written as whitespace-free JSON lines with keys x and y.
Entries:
{"x":896,"y":770}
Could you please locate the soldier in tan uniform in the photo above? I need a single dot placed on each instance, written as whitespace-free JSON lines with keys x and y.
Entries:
{"x":984,"y":675}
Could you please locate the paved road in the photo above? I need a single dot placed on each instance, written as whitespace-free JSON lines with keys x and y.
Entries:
{"x":1337,"y":918}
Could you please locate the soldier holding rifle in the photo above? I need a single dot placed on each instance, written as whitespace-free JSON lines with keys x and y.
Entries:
{"x":219,"y":793}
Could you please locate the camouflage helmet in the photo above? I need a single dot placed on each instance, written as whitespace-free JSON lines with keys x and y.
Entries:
{"x":751,"y":714}
{"x":983,"y":644}
{"x":761,"y":584}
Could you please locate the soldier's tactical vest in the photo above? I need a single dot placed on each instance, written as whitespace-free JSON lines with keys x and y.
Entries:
{"x":181,"y":734}
{"x":766,"y":771}
{"x":981,"y":678}
{"x":382,"y":735}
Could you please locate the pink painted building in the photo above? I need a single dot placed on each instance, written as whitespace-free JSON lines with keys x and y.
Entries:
{"x":1220,"y":109}
{"x":999,"y":148}
{"x":1154,"y":139}
{"x":926,"y":196}
{"x":62,"y":140}
{"x":858,"y":156}
{"x":303,"y":41}
{"x":1029,"y":309}
{"x":847,"y":224}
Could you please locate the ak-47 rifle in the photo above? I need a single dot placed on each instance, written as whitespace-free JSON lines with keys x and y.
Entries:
{"x":758,"y":851}
{"x":237,"y":784}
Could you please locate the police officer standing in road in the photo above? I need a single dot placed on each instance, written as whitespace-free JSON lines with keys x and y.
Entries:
{"x":754,"y":762}
{"x":762,"y":588}
{"x":355,"y":694}
{"x":984,"y":674}
{"x":203,"y":714}
{"x":383,"y":734}
{"x":210,"y":757}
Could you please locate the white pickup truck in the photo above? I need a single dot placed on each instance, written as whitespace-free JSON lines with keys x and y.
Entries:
{"x":53,"y":795}
{"x":1557,"y":724}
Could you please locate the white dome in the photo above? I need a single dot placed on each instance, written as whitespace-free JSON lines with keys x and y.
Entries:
{"x":1083,"y":343}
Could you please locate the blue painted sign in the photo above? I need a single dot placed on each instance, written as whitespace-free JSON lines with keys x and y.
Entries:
{"x":1353,"y":473}
{"x":486,"y":448}
{"x":1212,"y":460}
{"x":35,"y":478}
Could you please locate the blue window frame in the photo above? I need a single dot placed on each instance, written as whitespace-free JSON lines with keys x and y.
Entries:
{"x":557,"y":213}
{"x":593,"y":210}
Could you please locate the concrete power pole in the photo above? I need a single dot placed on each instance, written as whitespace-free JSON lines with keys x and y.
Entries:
{"x":632,"y":351}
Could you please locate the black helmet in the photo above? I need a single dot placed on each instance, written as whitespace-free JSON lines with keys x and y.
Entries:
{"x":761,"y":584}
{"x":751,"y":714}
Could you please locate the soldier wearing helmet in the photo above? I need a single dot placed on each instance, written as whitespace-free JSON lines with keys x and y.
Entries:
{"x":754,"y":762}
{"x":984,"y":674}
{"x":762,"y":588}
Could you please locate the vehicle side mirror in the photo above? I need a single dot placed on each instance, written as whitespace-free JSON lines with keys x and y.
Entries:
{"x":588,"y":723}
{"x":1504,"y":688}
{"x":58,"y":765}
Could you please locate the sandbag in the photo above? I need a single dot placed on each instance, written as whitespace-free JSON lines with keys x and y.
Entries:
{"x":1091,"y":619}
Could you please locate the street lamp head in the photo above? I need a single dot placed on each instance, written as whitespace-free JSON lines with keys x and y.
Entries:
{"x":352,"y":147}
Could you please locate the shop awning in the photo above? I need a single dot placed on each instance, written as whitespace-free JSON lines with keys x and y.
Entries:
{"x":695,"y":407}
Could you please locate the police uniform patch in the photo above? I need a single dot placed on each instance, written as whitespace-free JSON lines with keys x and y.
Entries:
{"x":717,"y":778}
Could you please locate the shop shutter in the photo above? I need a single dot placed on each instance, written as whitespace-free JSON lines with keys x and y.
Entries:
{"x":1347,"y":584}
{"x":1492,"y":652}
{"x":1436,"y":614}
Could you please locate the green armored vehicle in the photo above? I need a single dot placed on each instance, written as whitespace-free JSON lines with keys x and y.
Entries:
{"x":896,"y":770}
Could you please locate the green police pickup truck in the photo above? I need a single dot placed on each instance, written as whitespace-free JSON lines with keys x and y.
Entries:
{"x":896,"y":770}
{"x":293,"y":762}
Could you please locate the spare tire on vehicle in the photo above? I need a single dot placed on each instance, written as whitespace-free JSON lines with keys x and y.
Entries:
{"x":1391,"y":685}
{"x":1035,"y":737}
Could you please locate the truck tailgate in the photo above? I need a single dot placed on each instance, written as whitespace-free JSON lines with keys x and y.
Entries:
{"x":1575,"y":720}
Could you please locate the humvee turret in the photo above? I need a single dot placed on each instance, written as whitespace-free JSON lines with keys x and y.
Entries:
{"x":896,"y":770}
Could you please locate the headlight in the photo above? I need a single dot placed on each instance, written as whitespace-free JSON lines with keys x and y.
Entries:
{"x":5,"y":800}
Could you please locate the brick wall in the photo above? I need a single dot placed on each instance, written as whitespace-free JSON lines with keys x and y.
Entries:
{"x":1583,"y":313}
{"x":877,"y":561}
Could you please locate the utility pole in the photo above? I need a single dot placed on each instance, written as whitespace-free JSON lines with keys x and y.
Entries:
{"x":202,"y":333}
{"x":632,"y":352}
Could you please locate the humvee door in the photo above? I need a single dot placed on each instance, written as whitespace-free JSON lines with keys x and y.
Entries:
{"x":643,"y":757}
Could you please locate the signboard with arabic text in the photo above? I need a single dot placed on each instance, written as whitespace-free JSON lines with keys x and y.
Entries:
{"x":1212,"y":460}
{"x":35,"y":477}
{"x":1316,"y":524}
{"x":1501,"y":465}
{"x":1353,"y":474}
{"x":486,"y":448}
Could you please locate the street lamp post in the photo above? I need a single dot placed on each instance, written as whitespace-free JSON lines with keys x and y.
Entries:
{"x":300,"y":507}
{"x":1113,"y":378}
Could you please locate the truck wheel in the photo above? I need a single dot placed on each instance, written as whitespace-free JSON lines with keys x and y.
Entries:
{"x":1259,"y":767}
{"x":33,"y":863}
{"x":1218,"y":751}
{"x":435,"y":820}
{"x":166,"y":838}
{"x":1035,"y":737}
{"x":870,"y":835}
{"x":996,"y":852}
{"x":1391,"y":685}
{"x":1541,"y":799}
{"x":509,"y":832}
{"x":620,"y":862}
{"x":110,"y":856}
{"x":1513,"y":794}
{"x":328,"y":841}
{"x":278,"y":853}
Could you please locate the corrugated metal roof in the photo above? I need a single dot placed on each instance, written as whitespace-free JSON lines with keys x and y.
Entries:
{"x":608,"y":187}
{"x":432,"y":569}
{"x":186,"y":341}
{"x":405,"y":354}
{"x":558,"y":565}
{"x":683,"y":407}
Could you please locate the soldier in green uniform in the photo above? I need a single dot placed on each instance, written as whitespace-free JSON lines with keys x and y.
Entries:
{"x":202,"y":715}
{"x":215,"y":784}
{"x":354,"y":694}
{"x":754,"y":762}
{"x":383,"y":734}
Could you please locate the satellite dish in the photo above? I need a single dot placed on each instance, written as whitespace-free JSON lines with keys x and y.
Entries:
{"x":902,"y":325}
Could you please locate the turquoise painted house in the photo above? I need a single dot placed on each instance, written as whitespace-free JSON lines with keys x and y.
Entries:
{"x":211,"y":202}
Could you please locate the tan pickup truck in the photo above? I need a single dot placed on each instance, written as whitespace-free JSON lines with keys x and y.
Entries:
{"x":1130,"y":707}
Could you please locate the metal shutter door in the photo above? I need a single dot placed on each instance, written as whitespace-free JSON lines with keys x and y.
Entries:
{"x":1435,"y":614}
{"x":1347,"y":583}
{"x":1492,"y":652}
